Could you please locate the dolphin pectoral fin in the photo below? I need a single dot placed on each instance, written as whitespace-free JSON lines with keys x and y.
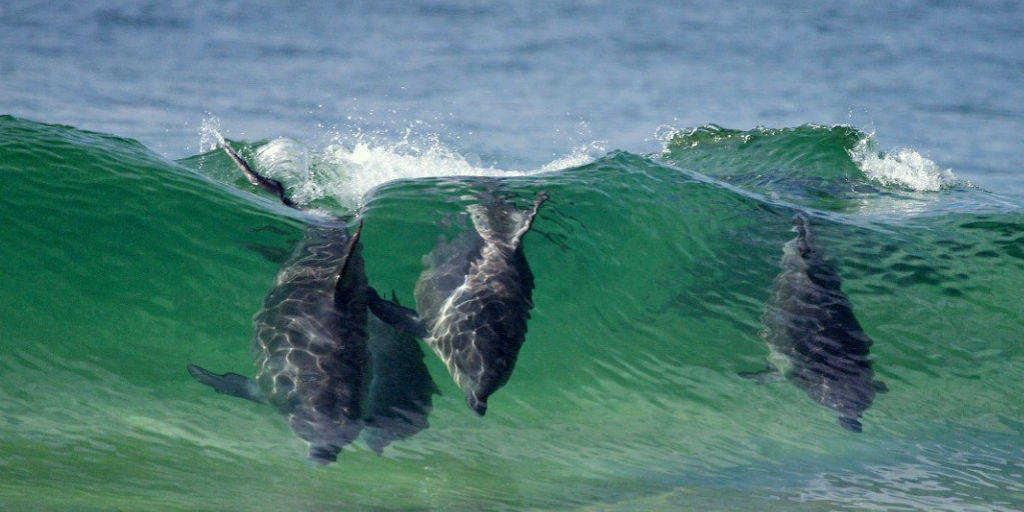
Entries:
{"x":396,"y":316}
{"x":229,"y":384}
{"x":767,"y":376}
{"x":879,"y":386}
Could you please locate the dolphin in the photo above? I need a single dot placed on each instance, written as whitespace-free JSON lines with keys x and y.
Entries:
{"x":312,"y":353}
{"x":401,"y":391}
{"x":814,"y":339}
{"x":474,"y":298}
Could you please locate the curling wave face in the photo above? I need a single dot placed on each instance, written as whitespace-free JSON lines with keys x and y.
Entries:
{"x":652,"y":277}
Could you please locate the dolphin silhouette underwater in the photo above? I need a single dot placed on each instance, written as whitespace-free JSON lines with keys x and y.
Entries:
{"x":474,"y":298}
{"x":313,"y":356}
{"x":814,"y":339}
{"x":400,"y":395}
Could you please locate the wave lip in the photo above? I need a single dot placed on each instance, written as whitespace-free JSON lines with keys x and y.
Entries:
{"x":813,"y":151}
{"x":830,"y":153}
{"x":342,"y":172}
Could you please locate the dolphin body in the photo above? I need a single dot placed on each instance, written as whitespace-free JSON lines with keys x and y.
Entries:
{"x":401,"y":392}
{"x":815,"y":341}
{"x":311,"y":346}
{"x":474,"y":299}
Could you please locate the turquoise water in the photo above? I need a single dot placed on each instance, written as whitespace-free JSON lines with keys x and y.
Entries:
{"x":676,"y":141}
{"x":122,"y":266}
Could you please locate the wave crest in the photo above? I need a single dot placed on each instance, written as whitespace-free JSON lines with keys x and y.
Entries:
{"x":352,"y":165}
{"x":904,"y":168}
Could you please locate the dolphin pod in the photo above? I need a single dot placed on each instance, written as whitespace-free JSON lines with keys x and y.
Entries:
{"x":814,"y":339}
{"x":338,"y":360}
{"x":315,"y":362}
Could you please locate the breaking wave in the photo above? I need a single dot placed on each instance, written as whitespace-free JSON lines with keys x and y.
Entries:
{"x":652,"y":272}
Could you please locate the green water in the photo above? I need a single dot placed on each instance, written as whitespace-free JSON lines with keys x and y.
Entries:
{"x":121,"y":267}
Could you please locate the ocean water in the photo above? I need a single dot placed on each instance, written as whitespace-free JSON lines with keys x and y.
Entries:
{"x":676,"y":142}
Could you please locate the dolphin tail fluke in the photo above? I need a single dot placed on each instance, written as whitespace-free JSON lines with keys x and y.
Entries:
{"x":229,"y":384}
{"x":766,"y":376}
{"x":851,"y":424}
{"x":270,"y":185}
{"x":500,"y":222}
{"x":399,"y":317}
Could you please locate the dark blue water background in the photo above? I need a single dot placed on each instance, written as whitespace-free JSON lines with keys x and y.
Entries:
{"x":522,"y":83}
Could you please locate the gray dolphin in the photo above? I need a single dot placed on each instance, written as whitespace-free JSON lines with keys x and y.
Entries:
{"x":815,"y":341}
{"x":474,"y":299}
{"x":311,"y":345}
{"x":401,"y":392}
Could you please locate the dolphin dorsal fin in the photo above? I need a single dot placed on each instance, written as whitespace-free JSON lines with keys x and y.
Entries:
{"x":341,"y":288}
{"x":800,"y":225}
{"x":270,"y":185}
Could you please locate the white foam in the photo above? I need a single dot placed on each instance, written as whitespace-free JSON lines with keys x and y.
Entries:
{"x":903,"y":168}
{"x":209,"y":134}
{"x":350,"y":165}
{"x":349,"y":170}
{"x":288,"y":161}
{"x":580,"y":155}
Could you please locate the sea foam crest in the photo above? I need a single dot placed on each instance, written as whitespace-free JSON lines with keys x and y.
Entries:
{"x":580,"y":155}
{"x":209,"y":134}
{"x":351,"y":169}
{"x":350,"y":165}
{"x":903,"y":168}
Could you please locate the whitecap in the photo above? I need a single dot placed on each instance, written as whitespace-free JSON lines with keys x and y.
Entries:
{"x":904,"y":168}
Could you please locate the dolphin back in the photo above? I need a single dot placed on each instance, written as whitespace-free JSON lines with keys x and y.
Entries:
{"x":476,"y":295}
{"x":310,"y":344}
{"x":311,"y":349}
{"x":816,"y":341}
